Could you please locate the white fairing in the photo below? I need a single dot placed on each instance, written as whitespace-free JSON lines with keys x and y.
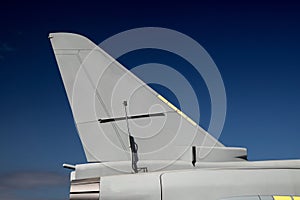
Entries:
{"x":217,"y":184}
{"x":128,"y":187}
{"x":212,"y":181}
{"x":97,"y":85}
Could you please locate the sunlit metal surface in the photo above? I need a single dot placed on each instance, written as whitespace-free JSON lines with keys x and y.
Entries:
{"x":84,"y":189}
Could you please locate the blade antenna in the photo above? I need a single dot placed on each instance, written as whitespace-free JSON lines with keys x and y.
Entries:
{"x":133,"y":145}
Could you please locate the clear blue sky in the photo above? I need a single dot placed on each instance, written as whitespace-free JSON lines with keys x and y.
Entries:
{"x":255,"y":46}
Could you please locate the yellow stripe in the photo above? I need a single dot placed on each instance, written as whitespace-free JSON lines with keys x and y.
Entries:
{"x":177,"y":110}
{"x":191,"y":121}
{"x":181,"y":113}
{"x":282,"y":198}
{"x":162,"y":98}
{"x":296,"y":197}
{"x":172,"y":106}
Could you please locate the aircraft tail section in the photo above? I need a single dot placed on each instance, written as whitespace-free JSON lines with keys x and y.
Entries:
{"x":97,"y":86}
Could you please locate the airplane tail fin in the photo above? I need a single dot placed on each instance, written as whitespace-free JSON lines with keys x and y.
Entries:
{"x":97,"y":86}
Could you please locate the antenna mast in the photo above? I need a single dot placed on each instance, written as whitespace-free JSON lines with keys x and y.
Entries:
{"x":133,"y":145}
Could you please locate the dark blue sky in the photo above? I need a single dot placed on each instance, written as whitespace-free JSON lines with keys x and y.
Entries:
{"x":255,"y":46}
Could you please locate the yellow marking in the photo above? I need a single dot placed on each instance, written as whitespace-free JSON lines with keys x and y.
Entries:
{"x":191,"y":121}
{"x":186,"y":117}
{"x":163,"y":99}
{"x":282,"y":198}
{"x":172,"y":106}
{"x":181,"y":113}
{"x":296,"y":197}
{"x":177,"y":110}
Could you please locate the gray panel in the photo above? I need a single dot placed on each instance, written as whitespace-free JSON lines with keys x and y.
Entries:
{"x":266,"y":197}
{"x":85,"y":189}
{"x":242,"y":198}
{"x":211,"y":184}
